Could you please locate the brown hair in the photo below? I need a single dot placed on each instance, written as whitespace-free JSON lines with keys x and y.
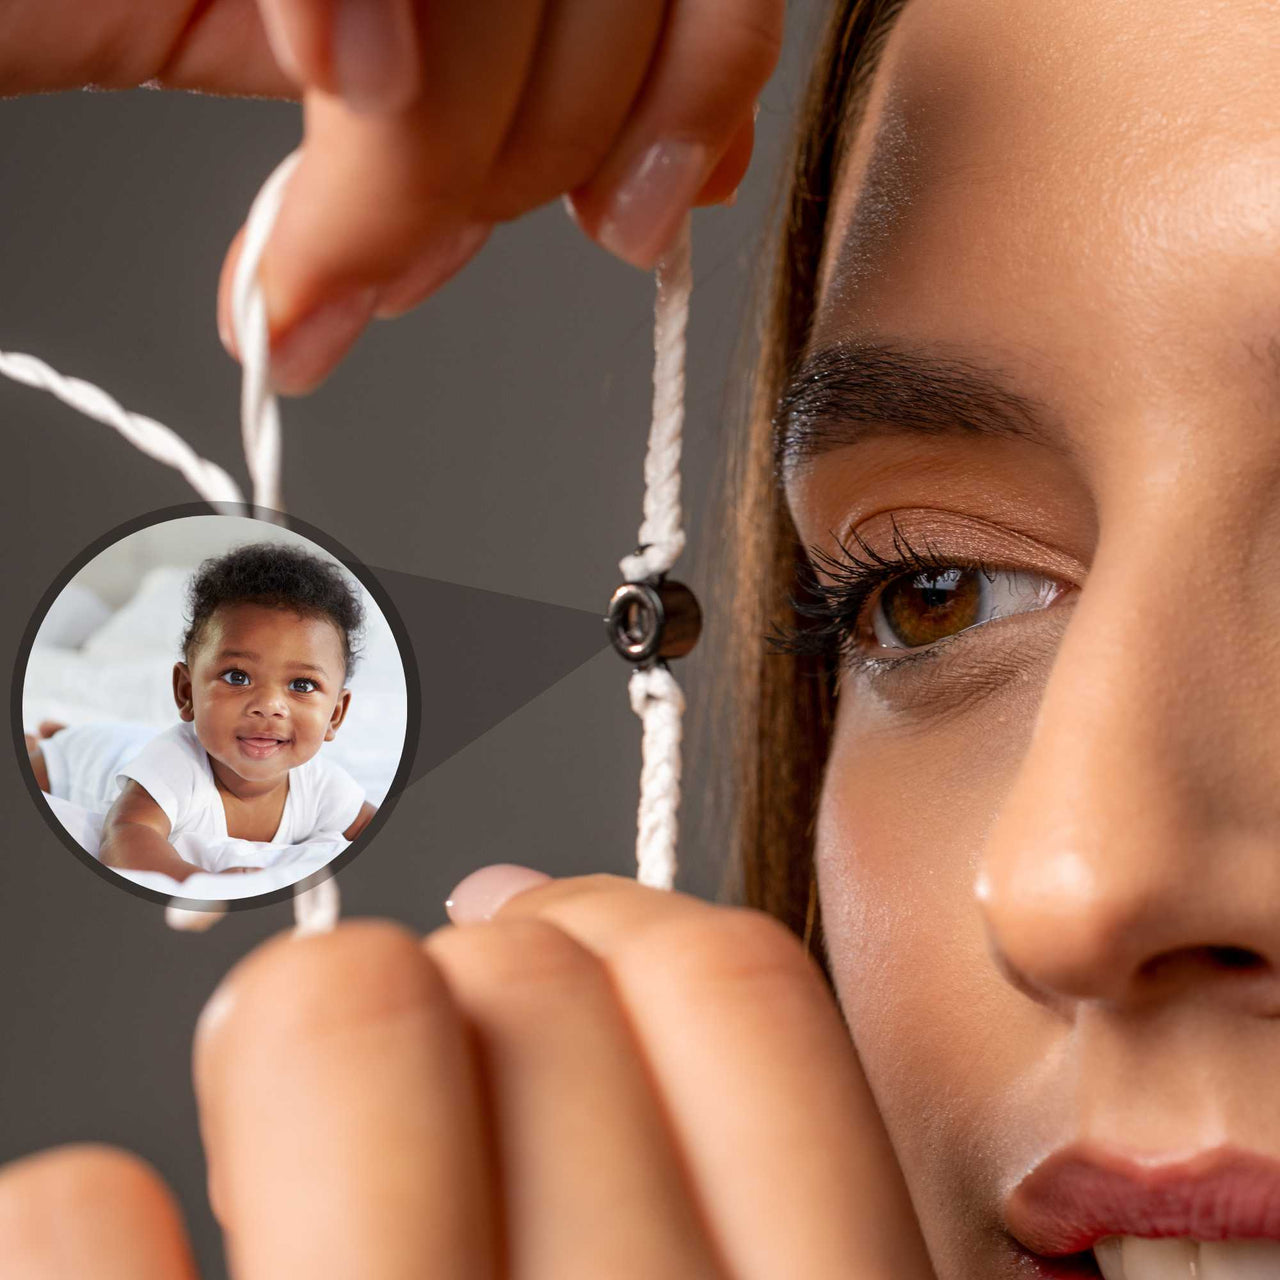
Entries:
{"x":780,"y":705}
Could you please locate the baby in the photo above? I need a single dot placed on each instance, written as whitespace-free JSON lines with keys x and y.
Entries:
{"x":261,"y":686}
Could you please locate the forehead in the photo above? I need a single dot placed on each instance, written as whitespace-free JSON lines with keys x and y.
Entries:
{"x":275,"y":634}
{"x":1103,"y":145}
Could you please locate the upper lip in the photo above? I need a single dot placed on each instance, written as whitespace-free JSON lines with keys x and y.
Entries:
{"x":1082,"y":1193}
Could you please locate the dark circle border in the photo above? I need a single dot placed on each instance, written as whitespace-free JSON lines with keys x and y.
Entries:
{"x":408,"y":661}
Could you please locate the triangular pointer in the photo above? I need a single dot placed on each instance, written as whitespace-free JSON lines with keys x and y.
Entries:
{"x":481,"y":655}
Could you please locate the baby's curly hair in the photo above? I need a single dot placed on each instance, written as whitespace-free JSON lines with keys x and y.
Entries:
{"x":281,"y":577}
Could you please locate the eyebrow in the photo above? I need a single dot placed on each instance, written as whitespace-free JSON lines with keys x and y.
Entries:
{"x":855,"y":390}
{"x":224,"y":654}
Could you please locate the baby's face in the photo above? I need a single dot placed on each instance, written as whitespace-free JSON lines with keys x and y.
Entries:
{"x":265,"y":687}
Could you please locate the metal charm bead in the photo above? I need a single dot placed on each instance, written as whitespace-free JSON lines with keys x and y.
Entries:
{"x":648,"y":622}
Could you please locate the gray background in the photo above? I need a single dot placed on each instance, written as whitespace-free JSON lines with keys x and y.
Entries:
{"x":493,"y":439}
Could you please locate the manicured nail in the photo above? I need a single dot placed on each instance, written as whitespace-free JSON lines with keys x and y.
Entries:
{"x":481,"y":893}
{"x":433,"y":269}
{"x":646,"y":210}
{"x":375,"y":55}
{"x":308,"y":352}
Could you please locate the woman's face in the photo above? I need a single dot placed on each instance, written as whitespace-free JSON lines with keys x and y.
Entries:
{"x":1048,"y":846}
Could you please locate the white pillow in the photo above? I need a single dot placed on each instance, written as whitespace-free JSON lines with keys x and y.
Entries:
{"x":151,"y":622}
{"x":72,"y":618}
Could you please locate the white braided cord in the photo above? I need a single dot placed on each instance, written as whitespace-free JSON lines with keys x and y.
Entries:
{"x":259,"y":410}
{"x":657,"y":699}
{"x":146,"y":434}
{"x":655,"y":696}
{"x":316,"y":908}
{"x":661,"y":537}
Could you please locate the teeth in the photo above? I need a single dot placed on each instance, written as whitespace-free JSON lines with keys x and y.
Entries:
{"x":1110,"y":1263}
{"x":1134,"y":1258}
{"x":1160,"y":1259}
{"x":1240,"y":1260}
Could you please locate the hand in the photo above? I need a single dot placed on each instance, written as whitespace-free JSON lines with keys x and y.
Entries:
{"x":427,"y":121}
{"x":602,"y":1080}
{"x":231,"y":871}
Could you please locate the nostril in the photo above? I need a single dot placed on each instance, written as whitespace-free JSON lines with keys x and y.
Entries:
{"x":1211,"y":956}
{"x":1236,"y":958}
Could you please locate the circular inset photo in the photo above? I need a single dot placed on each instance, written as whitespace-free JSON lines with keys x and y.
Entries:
{"x":214,"y":708}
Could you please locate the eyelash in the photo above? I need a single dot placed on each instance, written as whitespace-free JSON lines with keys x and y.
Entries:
{"x":832,"y":611}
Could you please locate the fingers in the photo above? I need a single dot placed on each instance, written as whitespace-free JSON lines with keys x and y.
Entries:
{"x":588,"y":69}
{"x":637,"y":107}
{"x":776,"y":1121}
{"x":722,"y":186}
{"x":339,"y":1107}
{"x":714,"y":59}
{"x":92,"y":1212}
{"x":592,"y":1183}
{"x":302,"y":357}
{"x":218,"y":46}
{"x":375,"y":195}
{"x":365,"y":51}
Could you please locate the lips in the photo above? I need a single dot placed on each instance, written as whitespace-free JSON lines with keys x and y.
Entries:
{"x":1081,"y":1194}
{"x":260,"y":746}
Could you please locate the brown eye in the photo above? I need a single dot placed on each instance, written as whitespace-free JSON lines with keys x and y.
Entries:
{"x":922,"y":608}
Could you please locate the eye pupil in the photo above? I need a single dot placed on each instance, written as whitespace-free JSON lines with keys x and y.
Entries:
{"x":930,"y":606}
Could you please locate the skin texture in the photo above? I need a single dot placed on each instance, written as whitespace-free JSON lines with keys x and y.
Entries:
{"x":1028,"y":845}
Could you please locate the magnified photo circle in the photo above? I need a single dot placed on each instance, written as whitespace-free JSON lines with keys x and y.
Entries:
{"x":214,"y":709}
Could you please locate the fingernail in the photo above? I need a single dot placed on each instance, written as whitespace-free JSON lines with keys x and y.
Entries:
{"x":375,"y":56}
{"x":433,"y":269}
{"x":481,"y":893}
{"x":307,"y":353}
{"x":646,"y":210}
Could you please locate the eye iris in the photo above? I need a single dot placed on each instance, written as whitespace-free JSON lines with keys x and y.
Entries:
{"x":931,"y":606}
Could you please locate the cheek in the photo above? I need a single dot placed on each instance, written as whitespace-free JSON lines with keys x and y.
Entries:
{"x":312,"y":719}
{"x":218,"y":702}
{"x":900,"y":829}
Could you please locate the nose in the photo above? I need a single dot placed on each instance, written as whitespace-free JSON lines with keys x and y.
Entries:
{"x":1137,"y":852}
{"x":268,"y":700}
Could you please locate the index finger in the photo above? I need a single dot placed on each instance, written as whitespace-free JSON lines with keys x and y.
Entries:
{"x":778,"y":1123}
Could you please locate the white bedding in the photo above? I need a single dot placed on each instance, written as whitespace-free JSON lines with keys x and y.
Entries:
{"x":288,"y":863}
{"x":123,"y":672}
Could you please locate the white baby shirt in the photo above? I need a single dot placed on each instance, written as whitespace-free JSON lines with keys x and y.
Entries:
{"x":323,"y":800}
